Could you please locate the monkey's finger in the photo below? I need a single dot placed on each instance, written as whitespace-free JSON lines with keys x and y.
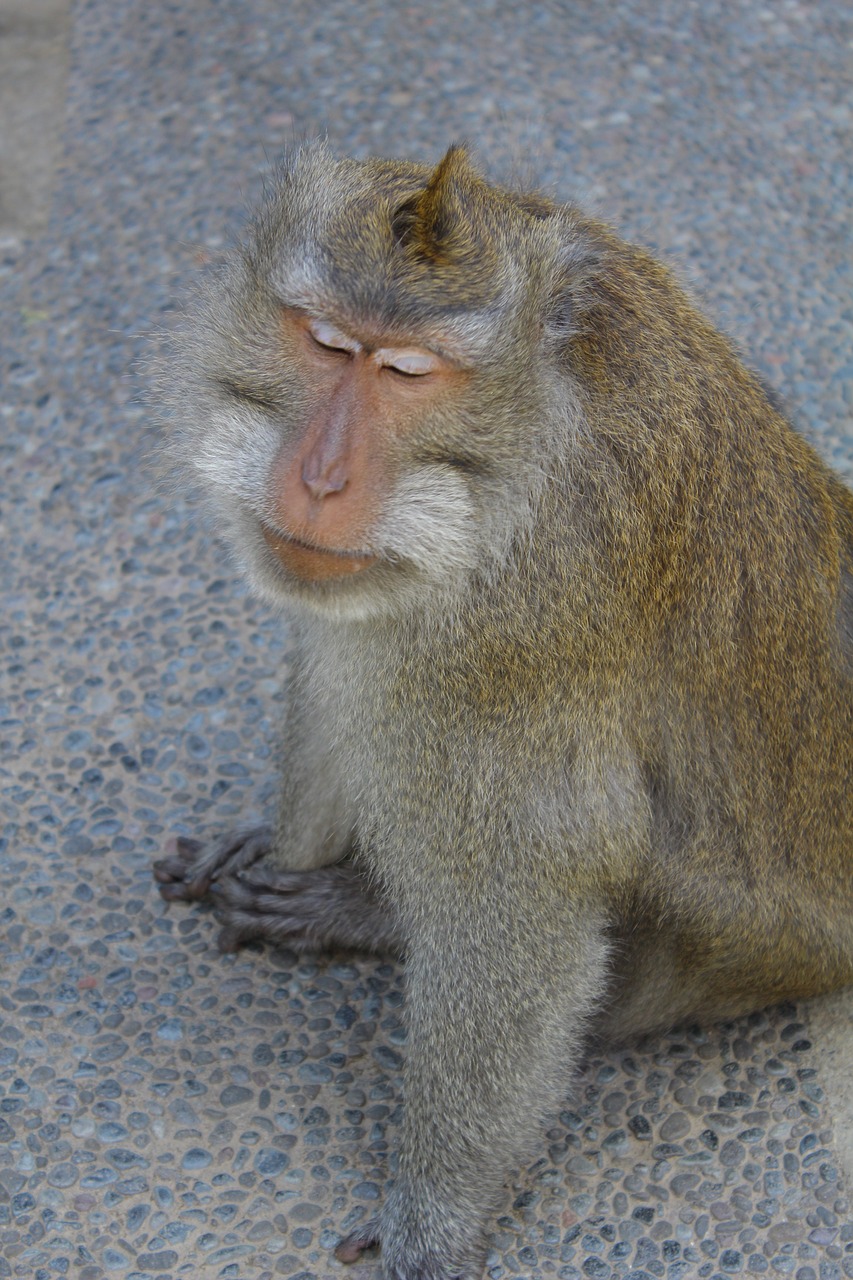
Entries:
{"x":266,"y":876}
{"x":179,"y":891}
{"x":364,"y":1237}
{"x":240,"y":927}
{"x":183,"y":876}
{"x":228,"y":857}
{"x":264,"y":883}
{"x":166,"y":869}
{"x":176,"y":865}
{"x":180,"y":882}
{"x":187,"y":848}
{"x":233,"y":895}
{"x":177,"y":885}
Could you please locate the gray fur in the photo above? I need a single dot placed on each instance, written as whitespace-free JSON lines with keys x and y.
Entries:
{"x":579,"y":743}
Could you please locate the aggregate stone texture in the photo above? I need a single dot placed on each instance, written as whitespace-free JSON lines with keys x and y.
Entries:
{"x":166,"y":1111}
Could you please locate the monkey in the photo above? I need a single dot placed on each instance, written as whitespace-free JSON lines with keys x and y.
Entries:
{"x":570,"y":713}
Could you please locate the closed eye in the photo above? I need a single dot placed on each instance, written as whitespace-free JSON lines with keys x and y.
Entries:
{"x":331,"y":339}
{"x":238,"y":391}
{"x":335,"y":348}
{"x":456,"y":462}
{"x":411,"y":364}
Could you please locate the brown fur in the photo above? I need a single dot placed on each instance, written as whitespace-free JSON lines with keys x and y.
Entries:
{"x":578,"y":737}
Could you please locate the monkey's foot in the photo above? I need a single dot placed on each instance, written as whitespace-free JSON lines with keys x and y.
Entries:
{"x":326,"y":908}
{"x":190,"y":872}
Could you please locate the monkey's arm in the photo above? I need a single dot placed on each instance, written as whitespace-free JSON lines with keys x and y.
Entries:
{"x":499,"y":987}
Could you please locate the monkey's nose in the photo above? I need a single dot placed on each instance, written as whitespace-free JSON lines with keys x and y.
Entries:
{"x":321,"y":481}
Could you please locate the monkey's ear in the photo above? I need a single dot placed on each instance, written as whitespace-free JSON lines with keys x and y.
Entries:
{"x":574,"y":286}
{"x":443,"y":223}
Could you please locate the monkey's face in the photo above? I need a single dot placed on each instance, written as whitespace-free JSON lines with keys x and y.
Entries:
{"x":357,"y":477}
{"x":346,"y":496}
{"x":364,"y":426}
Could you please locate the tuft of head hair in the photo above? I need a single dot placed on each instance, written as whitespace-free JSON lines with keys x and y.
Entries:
{"x":441,"y":223}
{"x":406,"y":246}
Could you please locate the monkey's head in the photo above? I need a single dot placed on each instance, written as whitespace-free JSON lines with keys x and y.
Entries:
{"x":370,"y":388}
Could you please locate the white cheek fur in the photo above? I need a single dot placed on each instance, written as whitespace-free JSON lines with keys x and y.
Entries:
{"x":430,"y":520}
{"x":236,"y":454}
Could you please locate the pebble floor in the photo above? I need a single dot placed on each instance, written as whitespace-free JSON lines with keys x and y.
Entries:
{"x":169,"y":1112}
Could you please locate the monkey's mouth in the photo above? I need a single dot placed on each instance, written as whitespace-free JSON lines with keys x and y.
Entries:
{"x":311,"y":563}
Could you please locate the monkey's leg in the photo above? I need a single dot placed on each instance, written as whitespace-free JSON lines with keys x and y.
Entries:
{"x":496,"y":1007}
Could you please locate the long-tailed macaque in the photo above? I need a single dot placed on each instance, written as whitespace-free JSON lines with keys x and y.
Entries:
{"x":570,"y":721}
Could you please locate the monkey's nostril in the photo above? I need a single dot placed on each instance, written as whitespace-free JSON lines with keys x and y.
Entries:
{"x":322,"y":481}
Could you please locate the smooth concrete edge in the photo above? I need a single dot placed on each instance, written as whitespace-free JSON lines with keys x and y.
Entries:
{"x":34,"y":61}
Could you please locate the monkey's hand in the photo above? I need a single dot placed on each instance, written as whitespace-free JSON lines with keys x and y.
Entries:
{"x":369,"y":1234}
{"x":189,"y":874}
{"x":326,"y":908}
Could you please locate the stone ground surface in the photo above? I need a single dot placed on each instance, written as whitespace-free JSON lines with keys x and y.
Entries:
{"x":169,"y":1112}
{"x":33,"y":74}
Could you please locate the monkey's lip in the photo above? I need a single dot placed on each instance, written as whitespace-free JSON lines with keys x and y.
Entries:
{"x":311,"y":563}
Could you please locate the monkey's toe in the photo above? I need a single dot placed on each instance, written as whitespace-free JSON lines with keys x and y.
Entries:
{"x":353,"y":1245}
{"x":232,"y":937}
{"x":177,"y":890}
{"x":279,"y":929}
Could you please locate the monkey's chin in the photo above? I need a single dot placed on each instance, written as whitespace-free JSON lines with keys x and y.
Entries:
{"x":314,"y":564}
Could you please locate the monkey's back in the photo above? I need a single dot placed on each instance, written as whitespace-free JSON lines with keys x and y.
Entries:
{"x":732,"y":545}
{"x":664,"y":670}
